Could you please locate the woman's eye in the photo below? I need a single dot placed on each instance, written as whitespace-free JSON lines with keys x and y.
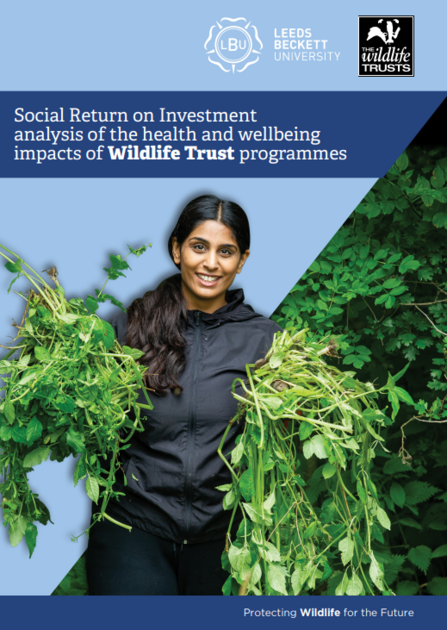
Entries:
{"x":226,"y":252}
{"x":199,"y":247}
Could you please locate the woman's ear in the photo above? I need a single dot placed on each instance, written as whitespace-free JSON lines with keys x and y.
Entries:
{"x":176,"y":251}
{"x":244,"y":257}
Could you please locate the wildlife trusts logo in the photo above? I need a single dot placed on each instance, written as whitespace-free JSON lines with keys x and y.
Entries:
{"x":386,"y":46}
{"x":234,"y":46}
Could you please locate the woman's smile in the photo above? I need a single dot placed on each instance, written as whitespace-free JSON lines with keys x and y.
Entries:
{"x":207,"y":280}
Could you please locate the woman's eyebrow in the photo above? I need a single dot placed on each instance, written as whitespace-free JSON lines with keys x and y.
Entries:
{"x":203,"y":240}
{"x":197,"y":238}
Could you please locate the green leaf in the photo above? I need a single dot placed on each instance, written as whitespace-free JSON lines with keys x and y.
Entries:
{"x":5,"y":432}
{"x":397,"y":494}
{"x":409,"y":263}
{"x":92,"y":488}
{"x":118,"y":263}
{"x":225,"y":487}
{"x":440,"y":220}
{"x":74,"y":440}
{"x":270,"y":501}
{"x":392,"y":568}
{"x":276,"y":360}
{"x":273,"y":402}
{"x":404,"y":396}
{"x":391,"y":283}
{"x":246,"y":484}
{"x":355,"y":586}
{"x":440,"y":552}
{"x":18,"y":434}
{"x":299,"y":576}
{"x":329,"y":470}
{"x":228,"y":500}
{"x":410,"y":522}
{"x":65,"y":403}
{"x":92,"y":304}
{"x":42,"y":354}
{"x":138,"y":252}
{"x":31,"y":537}
{"x":381,"y":299}
{"x":133,"y":352}
{"x":37,"y":456}
{"x":256,"y":574}
{"x":407,"y":588}
{"x":418,"y":492}
{"x":226,"y":588}
{"x":255,"y":514}
{"x":44,"y":515}
{"x":9,"y":411}
{"x":236,"y":453}
{"x":33,"y":430}
{"x":390,"y":301}
{"x":315,"y":446}
{"x":270,"y":552}
{"x":343,"y":585}
{"x":437,"y":586}
{"x":305,"y":431}
{"x":401,"y":373}
{"x":310,"y":531}
{"x":103,"y":332}
{"x":80,"y":470}
{"x":402,"y":162}
{"x":376,"y":573}
{"x":14,"y":267}
{"x":239,"y":557}
{"x":103,"y":297}
{"x":381,"y":254}
{"x":277,"y":578}
{"x":69,"y":318}
{"x":17,"y":530}
{"x":383,"y":519}
{"x":420,"y":557}
{"x":361,"y":492}
{"x":346,"y":546}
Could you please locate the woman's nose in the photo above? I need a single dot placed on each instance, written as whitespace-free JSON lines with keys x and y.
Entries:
{"x":211,"y":260}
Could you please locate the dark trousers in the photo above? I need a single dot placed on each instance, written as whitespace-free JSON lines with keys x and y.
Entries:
{"x":120,"y":562}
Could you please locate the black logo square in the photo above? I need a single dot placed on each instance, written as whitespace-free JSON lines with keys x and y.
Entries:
{"x":386,"y":45}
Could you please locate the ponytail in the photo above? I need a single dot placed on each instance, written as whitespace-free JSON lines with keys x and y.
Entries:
{"x":155,"y":324}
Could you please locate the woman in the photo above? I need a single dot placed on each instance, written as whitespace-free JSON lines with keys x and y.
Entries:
{"x":197,"y":336}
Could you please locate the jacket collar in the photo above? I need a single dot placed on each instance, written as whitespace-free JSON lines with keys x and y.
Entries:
{"x":234,"y":310}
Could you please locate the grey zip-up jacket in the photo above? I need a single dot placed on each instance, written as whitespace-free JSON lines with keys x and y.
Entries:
{"x":173,"y":468}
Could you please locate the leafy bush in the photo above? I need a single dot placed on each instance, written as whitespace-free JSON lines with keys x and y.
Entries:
{"x":380,"y":285}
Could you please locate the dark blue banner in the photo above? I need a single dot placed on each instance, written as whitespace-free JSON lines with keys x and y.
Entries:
{"x":208,"y":134}
{"x":222,"y":613}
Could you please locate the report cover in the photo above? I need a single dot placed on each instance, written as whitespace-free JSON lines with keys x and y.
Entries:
{"x":113,"y":118}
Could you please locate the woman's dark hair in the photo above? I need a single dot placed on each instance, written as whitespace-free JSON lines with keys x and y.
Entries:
{"x":155,"y":322}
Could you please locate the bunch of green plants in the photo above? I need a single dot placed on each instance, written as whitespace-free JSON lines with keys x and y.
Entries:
{"x":299,"y":412}
{"x":380,"y":286}
{"x":70,"y":389}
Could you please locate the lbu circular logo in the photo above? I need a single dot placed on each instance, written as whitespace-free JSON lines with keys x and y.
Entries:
{"x":232,"y":44}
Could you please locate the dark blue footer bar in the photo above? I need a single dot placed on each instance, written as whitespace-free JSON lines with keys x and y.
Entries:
{"x":218,"y":613}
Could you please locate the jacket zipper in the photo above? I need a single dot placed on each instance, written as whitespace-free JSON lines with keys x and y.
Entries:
{"x":190,"y":444}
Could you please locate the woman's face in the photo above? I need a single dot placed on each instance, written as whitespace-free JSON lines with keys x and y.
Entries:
{"x":209,"y":260}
